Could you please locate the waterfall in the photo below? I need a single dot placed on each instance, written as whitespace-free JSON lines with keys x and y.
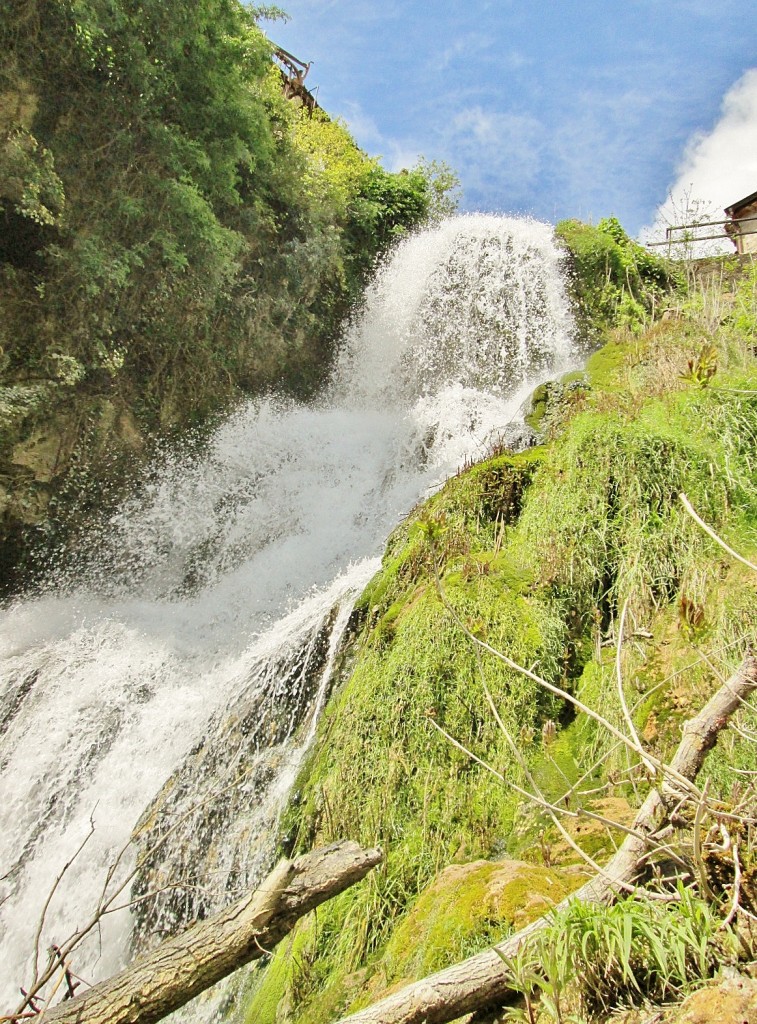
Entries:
{"x":168,"y":689}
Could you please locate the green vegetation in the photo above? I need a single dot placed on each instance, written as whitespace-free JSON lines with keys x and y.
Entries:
{"x":423,"y":802}
{"x":466,"y":907}
{"x":615,"y":281}
{"x":628,"y":954}
{"x":538,"y":554}
{"x":175,"y":235}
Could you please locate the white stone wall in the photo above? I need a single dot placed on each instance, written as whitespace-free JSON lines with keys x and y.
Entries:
{"x":746,"y":240}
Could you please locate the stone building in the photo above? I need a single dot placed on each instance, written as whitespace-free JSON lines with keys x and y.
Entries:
{"x":742,"y":225}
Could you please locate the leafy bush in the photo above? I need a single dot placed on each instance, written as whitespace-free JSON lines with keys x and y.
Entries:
{"x":615,"y":281}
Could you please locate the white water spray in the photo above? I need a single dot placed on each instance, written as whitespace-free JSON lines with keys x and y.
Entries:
{"x":198,"y":644}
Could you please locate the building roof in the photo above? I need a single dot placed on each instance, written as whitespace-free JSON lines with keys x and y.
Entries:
{"x":746,"y":201}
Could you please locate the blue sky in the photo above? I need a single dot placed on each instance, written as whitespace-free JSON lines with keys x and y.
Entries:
{"x":556,"y":109}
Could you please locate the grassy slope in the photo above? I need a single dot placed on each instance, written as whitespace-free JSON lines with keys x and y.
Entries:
{"x":536,"y":552}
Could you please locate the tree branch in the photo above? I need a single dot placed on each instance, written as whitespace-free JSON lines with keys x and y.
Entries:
{"x":182,"y":967}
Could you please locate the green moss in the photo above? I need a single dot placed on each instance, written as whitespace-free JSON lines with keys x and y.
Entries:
{"x":270,"y":986}
{"x":554,"y":402}
{"x":538,"y":404}
{"x":427,"y":672}
{"x":276,"y":990}
{"x":556,"y":769}
{"x":604,"y":366}
{"x":467,"y":908}
{"x":604,"y":510}
{"x":415,"y":670}
{"x":574,"y":377}
{"x":473,"y":511}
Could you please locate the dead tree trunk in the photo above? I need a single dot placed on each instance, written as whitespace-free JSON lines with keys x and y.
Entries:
{"x":182,"y":967}
{"x":484,"y":980}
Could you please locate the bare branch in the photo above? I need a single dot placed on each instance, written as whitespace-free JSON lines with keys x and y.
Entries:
{"x":38,"y":982}
{"x":619,"y":674}
{"x":709,"y":530}
{"x":182,"y":967}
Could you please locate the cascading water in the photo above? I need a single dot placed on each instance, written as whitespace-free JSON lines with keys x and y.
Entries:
{"x":172,"y":690}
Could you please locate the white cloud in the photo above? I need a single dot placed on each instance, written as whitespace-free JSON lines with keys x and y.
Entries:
{"x":514,"y":60}
{"x":595,"y":148}
{"x":718,"y":167}
{"x":395,"y":154}
{"x":364,"y":128}
{"x":497,"y":152}
{"x":498,"y":155}
{"x":469,"y":46}
{"x":475,"y":47}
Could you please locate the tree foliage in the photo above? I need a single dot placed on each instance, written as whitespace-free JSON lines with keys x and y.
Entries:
{"x":155,"y":141}
{"x":445,"y":190}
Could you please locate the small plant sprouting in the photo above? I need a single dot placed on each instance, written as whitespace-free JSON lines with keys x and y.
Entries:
{"x":539,"y":982}
{"x":432,"y":528}
{"x":703,"y":367}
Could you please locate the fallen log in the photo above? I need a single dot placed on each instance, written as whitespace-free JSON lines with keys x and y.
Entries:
{"x":182,"y":967}
{"x":484,"y":980}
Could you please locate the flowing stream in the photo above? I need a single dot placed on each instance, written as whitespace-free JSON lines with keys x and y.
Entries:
{"x":169,"y":691}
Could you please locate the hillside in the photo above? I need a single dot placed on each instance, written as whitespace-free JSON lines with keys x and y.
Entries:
{"x":578,"y":561}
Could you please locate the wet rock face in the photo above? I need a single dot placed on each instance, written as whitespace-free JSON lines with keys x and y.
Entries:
{"x":208,"y":835}
{"x":57,"y":467}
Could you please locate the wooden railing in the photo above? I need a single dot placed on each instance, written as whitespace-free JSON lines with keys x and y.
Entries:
{"x":738,"y":227}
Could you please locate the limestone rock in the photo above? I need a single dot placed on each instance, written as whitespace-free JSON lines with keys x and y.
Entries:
{"x":730,"y":1001}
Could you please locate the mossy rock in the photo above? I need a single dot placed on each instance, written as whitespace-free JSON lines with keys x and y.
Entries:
{"x":553,"y":402}
{"x":604,"y":367}
{"x":538,"y":404}
{"x":470,"y":511}
{"x":268,"y":998}
{"x":730,"y":1000}
{"x":467,"y":908}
